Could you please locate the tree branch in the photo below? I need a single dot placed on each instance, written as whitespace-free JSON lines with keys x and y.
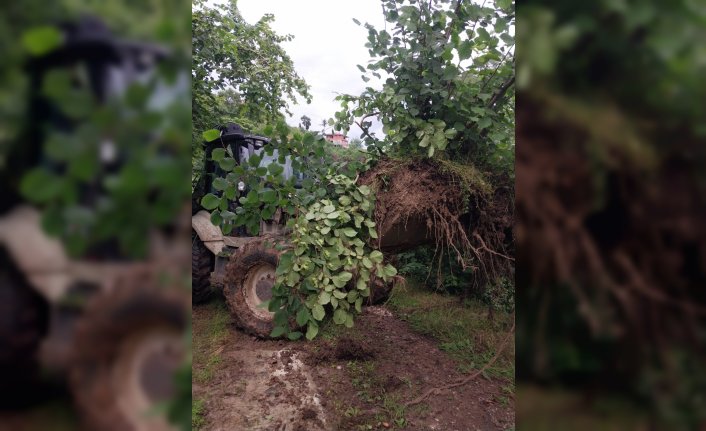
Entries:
{"x":501,"y":91}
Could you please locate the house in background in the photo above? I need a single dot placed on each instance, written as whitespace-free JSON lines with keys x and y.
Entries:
{"x":337,"y":139}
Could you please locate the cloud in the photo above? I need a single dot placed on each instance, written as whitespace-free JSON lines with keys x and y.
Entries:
{"x":326,"y":48}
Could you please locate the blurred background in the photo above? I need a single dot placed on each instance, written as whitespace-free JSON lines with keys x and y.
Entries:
{"x":95,"y":137}
{"x":610,"y":209}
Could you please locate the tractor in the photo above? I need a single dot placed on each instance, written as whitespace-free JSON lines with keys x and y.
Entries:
{"x":239,"y":265}
{"x":103,"y":323}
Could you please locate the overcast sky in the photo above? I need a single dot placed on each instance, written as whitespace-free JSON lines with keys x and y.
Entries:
{"x":326,"y":48}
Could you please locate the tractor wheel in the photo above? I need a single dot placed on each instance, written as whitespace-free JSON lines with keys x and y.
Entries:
{"x":127,"y":349}
{"x":201,"y":266}
{"x":249,"y":281}
{"x":23,"y":323}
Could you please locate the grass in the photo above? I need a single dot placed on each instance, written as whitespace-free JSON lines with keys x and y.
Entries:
{"x":462,"y":330}
{"x":207,"y":341}
{"x":197,"y":413}
{"x":208,"y":335}
{"x":369,"y":390}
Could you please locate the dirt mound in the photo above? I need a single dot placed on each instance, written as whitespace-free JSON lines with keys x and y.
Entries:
{"x":448,"y":204}
{"x":344,"y":349}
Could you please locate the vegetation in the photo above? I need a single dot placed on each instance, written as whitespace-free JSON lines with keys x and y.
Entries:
{"x":83,"y":202}
{"x":612,"y":104}
{"x":240,"y":73}
{"x":461,"y":328}
{"x":449,"y":95}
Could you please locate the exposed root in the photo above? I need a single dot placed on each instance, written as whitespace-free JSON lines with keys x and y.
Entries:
{"x":425,"y":201}
{"x":625,"y":237}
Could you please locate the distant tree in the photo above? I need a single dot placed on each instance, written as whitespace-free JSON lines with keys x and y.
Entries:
{"x":306,"y":122}
{"x":324,"y":123}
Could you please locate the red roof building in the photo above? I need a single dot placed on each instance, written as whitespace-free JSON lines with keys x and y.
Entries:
{"x":337,"y":139}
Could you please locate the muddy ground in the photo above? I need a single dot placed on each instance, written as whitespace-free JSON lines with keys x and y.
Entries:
{"x":347,"y":380}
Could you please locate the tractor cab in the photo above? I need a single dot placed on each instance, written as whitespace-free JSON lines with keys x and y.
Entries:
{"x":242,"y":146}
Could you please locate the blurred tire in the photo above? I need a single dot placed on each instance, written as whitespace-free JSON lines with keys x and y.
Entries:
{"x":127,"y":348}
{"x":201,"y":266}
{"x":23,"y":324}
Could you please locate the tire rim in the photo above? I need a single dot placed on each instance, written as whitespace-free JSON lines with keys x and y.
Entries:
{"x":258,"y":289}
{"x":143,"y":376}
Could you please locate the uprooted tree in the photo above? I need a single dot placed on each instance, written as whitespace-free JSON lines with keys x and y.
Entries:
{"x":444,"y":170}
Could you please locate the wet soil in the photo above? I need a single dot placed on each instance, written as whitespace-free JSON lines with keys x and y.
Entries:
{"x":356,"y":381}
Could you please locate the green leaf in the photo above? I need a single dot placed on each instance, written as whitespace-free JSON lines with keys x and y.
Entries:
{"x":324,"y":298}
{"x":328,"y":209}
{"x":376,"y":256}
{"x":349,"y":232}
{"x":211,"y":135}
{"x":227,"y":164}
{"x":359,"y":305}
{"x":39,"y":185}
{"x":333,"y":215}
{"x":218,"y":154}
{"x":361,"y":284}
{"x":340,"y":316}
{"x":41,"y":40}
{"x":275,"y":169}
{"x":344,"y":200}
{"x":364,"y":190}
{"x":210,"y":201}
{"x":220,"y":183}
{"x":254,"y":160}
{"x":318,"y":312}
{"x":303,"y":316}
{"x":338,"y":294}
{"x":389,"y":270}
{"x":338,"y":281}
{"x":278,"y":331}
{"x":311,"y":331}
{"x":268,"y":196}
{"x":294,"y":335}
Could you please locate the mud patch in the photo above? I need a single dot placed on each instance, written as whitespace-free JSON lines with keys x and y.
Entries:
{"x":259,"y":385}
{"x":313,"y":386}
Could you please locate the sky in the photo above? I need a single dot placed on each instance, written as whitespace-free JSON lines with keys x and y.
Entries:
{"x":326,"y":48}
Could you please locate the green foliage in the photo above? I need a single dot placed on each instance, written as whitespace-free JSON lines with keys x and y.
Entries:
{"x":240,"y":72}
{"x":126,"y":203}
{"x":449,"y":90}
{"x":328,"y":270}
{"x":444,"y":274}
{"x":330,"y":266}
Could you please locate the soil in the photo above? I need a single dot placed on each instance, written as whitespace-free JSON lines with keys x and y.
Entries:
{"x":356,"y":381}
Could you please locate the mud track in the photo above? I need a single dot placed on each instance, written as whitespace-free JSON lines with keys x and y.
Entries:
{"x":354,"y":381}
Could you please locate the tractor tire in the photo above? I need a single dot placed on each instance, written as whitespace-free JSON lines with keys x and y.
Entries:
{"x":24,"y":317}
{"x":201,"y":266}
{"x":250,"y":275}
{"x":127,"y":349}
